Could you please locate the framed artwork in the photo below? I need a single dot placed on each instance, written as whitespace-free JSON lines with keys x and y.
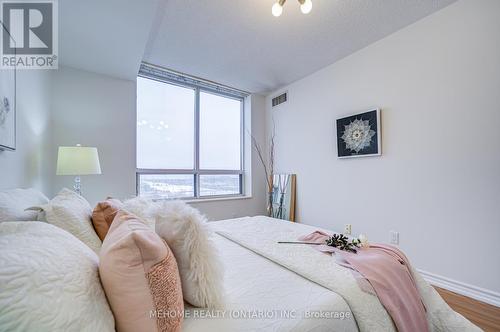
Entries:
{"x":283,"y":196}
{"x":7,"y":105}
{"x":359,"y":135}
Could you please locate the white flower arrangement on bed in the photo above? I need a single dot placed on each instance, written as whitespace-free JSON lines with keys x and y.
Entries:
{"x":234,"y":275}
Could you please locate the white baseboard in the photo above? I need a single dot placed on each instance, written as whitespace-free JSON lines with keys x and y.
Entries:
{"x":477,"y":293}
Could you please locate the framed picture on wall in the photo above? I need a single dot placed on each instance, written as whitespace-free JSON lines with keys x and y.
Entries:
{"x":359,"y":135}
{"x":7,"y":104}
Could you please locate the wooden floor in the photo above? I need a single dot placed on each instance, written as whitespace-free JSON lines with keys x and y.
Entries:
{"x":486,"y":316}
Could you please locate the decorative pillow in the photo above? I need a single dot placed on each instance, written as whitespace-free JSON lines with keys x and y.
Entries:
{"x":140,"y":277}
{"x":186,"y":233}
{"x":13,"y":204}
{"x":49,"y":281}
{"x":103,"y":215}
{"x":72,"y":212}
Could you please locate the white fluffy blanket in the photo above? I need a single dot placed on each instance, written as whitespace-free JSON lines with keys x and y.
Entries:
{"x":260,"y":234}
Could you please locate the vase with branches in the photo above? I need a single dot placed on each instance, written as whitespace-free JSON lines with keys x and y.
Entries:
{"x":267,"y":166}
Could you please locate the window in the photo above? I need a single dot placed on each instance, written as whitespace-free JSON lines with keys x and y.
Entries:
{"x":189,"y":137}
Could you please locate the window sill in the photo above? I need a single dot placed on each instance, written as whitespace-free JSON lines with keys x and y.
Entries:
{"x":216,"y":199}
{"x":201,"y":200}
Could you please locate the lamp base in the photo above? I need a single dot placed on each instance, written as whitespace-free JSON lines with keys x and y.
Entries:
{"x":78,"y":185}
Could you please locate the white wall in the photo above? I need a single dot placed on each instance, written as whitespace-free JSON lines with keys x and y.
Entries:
{"x":98,"y":110}
{"x":28,"y":166}
{"x":438,"y":181}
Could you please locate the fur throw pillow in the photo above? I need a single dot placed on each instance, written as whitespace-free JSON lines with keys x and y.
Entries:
{"x":143,"y":208}
{"x":187,"y":234}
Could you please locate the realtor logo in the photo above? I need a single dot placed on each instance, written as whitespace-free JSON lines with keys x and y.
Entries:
{"x":29,"y":34}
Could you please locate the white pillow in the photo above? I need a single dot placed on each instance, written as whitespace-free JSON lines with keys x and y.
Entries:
{"x":186,"y":233}
{"x":49,"y":281}
{"x":14,"y":202}
{"x":73,"y":213}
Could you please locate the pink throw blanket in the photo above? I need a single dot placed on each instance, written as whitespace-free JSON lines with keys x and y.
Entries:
{"x":387,"y":269}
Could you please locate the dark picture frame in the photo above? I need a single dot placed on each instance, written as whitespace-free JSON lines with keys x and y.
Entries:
{"x":359,"y":135}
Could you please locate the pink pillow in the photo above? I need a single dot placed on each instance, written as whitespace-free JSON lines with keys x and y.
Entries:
{"x":103,"y":215}
{"x":140,"y":277}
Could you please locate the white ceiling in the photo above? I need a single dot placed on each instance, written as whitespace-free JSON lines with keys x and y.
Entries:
{"x":233,"y":42}
{"x":105,"y":36}
{"x":240,"y":44}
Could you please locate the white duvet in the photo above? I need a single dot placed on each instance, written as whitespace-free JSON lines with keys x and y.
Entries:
{"x":260,"y":236}
{"x":272,"y":298}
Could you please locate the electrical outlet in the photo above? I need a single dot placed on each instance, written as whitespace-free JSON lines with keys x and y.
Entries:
{"x":347,"y":229}
{"x":394,"y":237}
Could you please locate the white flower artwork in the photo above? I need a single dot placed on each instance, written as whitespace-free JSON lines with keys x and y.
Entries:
{"x":358,"y":135}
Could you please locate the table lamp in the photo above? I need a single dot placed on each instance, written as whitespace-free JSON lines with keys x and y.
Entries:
{"x":78,"y":160}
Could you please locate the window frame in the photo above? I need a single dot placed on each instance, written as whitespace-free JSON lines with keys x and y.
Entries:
{"x":186,"y":81}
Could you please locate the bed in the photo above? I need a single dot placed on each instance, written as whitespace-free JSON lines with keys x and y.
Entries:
{"x":290,"y":287}
{"x":267,"y":286}
{"x":273,"y":298}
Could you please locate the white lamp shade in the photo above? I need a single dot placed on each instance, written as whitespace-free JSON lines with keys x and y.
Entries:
{"x":77,"y":160}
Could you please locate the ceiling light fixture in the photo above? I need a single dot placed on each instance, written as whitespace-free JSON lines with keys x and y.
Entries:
{"x":277,"y":9}
{"x":305,"y":7}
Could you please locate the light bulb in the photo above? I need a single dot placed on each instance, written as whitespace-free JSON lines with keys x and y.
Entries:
{"x":306,"y":7}
{"x":277,"y":9}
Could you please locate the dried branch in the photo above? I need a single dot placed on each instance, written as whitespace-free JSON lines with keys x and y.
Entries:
{"x":258,"y":149}
{"x":268,"y":170}
{"x":271,"y":156}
